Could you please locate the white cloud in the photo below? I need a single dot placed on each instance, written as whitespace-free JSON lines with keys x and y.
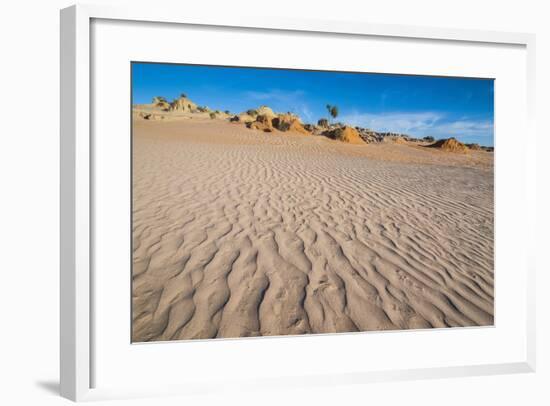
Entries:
{"x":421,"y":124}
{"x":284,"y":100}
{"x":306,"y":113}
{"x":275,"y":95}
{"x":466,"y":128}
{"x":394,"y":122}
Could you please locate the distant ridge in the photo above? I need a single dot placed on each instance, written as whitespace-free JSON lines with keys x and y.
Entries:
{"x":265,"y":119}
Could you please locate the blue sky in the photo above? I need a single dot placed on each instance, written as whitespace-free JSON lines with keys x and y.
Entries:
{"x":415,"y":105}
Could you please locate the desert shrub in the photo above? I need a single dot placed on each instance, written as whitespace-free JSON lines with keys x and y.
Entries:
{"x":429,"y":138}
{"x":227,"y":112}
{"x":284,"y":126}
{"x":252,"y":112}
{"x":212,"y":115}
{"x":281,"y":125}
{"x":183,"y":96}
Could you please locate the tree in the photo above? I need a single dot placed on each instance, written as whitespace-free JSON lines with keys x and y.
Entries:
{"x":323,"y":122}
{"x":332,"y":110}
{"x":183,"y":96}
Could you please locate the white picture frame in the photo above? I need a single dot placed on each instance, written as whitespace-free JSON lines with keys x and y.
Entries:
{"x":76,"y":280}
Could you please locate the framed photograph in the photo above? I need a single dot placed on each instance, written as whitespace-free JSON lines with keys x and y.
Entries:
{"x":239,"y":210}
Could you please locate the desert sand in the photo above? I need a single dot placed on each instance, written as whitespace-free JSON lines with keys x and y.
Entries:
{"x":238,"y":233}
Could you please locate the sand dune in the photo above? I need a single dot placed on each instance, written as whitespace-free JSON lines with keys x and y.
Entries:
{"x":242,"y":233}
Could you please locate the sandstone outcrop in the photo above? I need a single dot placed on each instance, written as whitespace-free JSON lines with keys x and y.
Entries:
{"x":345,"y":134}
{"x":184,"y":105}
{"x":289,"y":122}
{"x":262,"y":123}
{"x":450,"y":145}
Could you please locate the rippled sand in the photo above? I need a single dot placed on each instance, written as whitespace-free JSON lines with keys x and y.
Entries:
{"x":239,"y":233}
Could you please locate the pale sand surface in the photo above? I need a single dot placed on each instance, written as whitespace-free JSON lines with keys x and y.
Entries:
{"x":241,"y":233}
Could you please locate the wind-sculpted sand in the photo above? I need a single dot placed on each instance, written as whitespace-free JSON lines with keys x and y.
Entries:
{"x":240,"y":233}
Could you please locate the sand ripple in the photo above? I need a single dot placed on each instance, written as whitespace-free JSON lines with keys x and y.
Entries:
{"x":237,"y":233}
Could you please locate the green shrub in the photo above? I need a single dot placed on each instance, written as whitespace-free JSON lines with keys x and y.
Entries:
{"x":280,"y":124}
{"x":323,"y":122}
